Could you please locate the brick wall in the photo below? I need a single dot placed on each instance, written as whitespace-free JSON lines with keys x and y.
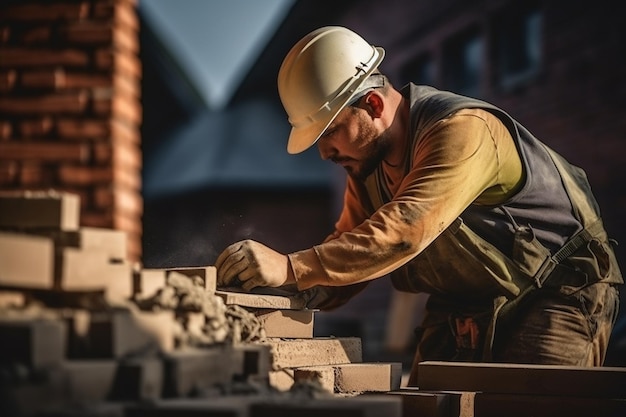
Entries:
{"x":70,"y":106}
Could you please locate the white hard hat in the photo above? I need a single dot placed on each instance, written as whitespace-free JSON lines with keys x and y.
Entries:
{"x":318,"y":78}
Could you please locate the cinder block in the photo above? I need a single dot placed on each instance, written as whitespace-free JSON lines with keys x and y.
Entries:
{"x":354,"y":377}
{"x":26,"y":261}
{"x":295,"y":353}
{"x":36,"y":343}
{"x":282,"y":379}
{"x":286,"y":323}
{"x":38,"y":210}
{"x":418,"y":403}
{"x":263,"y":301}
{"x":359,"y":406}
{"x":507,"y":378}
{"x":149,"y":281}
{"x":138,"y":379}
{"x":196,"y":372}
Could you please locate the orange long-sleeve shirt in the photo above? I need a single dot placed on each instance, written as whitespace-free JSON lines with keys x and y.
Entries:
{"x":466,"y":158}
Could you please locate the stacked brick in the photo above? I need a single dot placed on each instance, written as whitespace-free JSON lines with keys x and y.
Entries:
{"x":86,"y":331}
{"x":70,"y":107}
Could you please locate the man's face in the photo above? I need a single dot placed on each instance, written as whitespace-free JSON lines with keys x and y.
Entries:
{"x":353,"y":142}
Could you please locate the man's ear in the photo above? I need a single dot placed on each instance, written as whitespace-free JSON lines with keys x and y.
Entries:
{"x":374,"y":104}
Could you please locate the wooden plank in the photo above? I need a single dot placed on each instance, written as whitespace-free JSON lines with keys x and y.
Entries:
{"x":505,"y":378}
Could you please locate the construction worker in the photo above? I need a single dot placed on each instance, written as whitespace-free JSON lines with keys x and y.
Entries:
{"x":446,"y":195}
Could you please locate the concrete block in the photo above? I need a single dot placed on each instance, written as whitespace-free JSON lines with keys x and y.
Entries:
{"x":122,"y":333}
{"x":196,"y":407}
{"x":39,"y":210}
{"x":417,"y":403}
{"x":267,"y":301}
{"x":286,"y":323}
{"x":195,"y":372}
{"x":36,"y":343}
{"x":359,"y":406}
{"x":294,"y":353}
{"x":354,"y":377}
{"x":138,"y":379}
{"x":506,"y":378}
{"x":26,"y":261}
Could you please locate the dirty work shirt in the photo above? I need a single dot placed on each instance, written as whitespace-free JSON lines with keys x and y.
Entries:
{"x":466,"y":158}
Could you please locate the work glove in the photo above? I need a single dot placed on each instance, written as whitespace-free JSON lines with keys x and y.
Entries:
{"x":254,"y":265}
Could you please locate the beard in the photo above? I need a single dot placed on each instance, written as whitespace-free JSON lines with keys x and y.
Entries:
{"x":374,"y":151}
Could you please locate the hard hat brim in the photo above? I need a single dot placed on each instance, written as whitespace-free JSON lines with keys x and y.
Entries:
{"x":303,"y":137}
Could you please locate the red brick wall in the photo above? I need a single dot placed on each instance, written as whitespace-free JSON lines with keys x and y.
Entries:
{"x":70,"y":106}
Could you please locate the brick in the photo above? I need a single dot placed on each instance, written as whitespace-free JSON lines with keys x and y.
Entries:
{"x":251,"y":362}
{"x":110,"y":242}
{"x":418,"y":403}
{"x":504,"y":378}
{"x":117,"y":153}
{"x":119,"y":107}
{"x":286,"y":323}
{"x":354,"y":377}
{"x":281,"y":380}
{"x":35,"y":174}
{"x":38,"y":35}
{"x":7,"y":80}
{"x":512,"y":405}
{"x":88,"y":270}
{"x":123,"y":333}
{"x":294,"y":353}
{"x":138,"y":379}
{"x":191,"y":372}
{"x":8,"y":173}
{"x":45,"y":151}
{"x":46,"y":12}
{"x":36,"y":210}
{"x":118,"y":61}
{"x":76,"y":175}
{"x":121,"y":13}
{"x":254,"y":300}
{"x":359,"y":406}
{"x":208,"y":274}
{"x":88,"y":381}
{"x":71,"y":102}
{"x":6,"y":129}
{"x":97,"y":129}
{"x":98,"y":33}
{"x":36,"y":343}
{"x":40,"y":126}
{"x":118,"y":198}
{"x":149,"y":282}
{"x":34,"y":57}
{"x":230,"y":406}
{"x":26,"y":261}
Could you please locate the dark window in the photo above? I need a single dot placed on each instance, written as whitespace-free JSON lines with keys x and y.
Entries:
{"x":463,"y":63}
{"x":517,"y":45}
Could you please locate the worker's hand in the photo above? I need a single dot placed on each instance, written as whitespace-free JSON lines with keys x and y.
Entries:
{"x":254,"y":264}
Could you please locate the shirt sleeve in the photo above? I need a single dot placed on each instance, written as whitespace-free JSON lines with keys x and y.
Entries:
{"x":454,"y":162}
